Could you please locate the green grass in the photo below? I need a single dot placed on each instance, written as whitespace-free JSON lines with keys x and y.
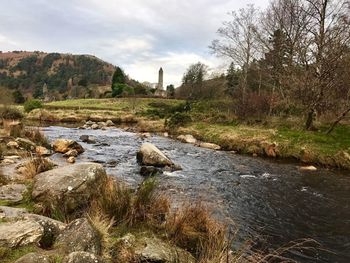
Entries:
{"x":119,"y":104}
{"x":8,"y":255}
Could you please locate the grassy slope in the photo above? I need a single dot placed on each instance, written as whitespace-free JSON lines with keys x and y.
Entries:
{"x":213,"y":124}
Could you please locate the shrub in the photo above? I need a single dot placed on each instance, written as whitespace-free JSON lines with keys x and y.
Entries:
{"x":178,"y":119}
{"x":120,"y":89}
{"x":10,"y":113}
{"x":36,"y":136}
{"x":32,"y":104}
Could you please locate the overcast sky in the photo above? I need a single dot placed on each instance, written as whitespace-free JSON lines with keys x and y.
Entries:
{"x":138,"y":35}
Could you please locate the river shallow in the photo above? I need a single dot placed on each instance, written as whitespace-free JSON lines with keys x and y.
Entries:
{"x":271,"y":203}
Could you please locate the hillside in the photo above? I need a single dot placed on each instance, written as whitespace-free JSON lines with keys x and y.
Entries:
{"x":65,"y":75}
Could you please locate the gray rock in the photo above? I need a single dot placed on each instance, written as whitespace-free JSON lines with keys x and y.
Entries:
{"x":51,"y":228}
{"x":79,"y":235}
{"x":82,"y":257}
{"x":148,"y":249}
{"x":26,"y":144}
{"x":208,"y":145}
{"x":34,"y":258}
{"x":187,"y":138}
{"x":94,"y":126}
{"x":12,"y":192}
{"x":10,"y":213}
{"x":20,"y":233}
{"x":87,"y":139}
{"x":69,"y":187}
{"x":63,"y":146}
{"x":71,"y":153}
{"x":150,"y":155}
{"x":109,"y":123}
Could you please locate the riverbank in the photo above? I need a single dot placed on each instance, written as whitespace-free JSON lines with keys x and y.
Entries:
{"x":64,"y":212}
{"x":273,"y":138}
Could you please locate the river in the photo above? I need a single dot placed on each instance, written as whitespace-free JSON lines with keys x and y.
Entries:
{"x":269,"y":202}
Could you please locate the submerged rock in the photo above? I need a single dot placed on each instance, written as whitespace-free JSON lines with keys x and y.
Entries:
{"x":69,"y":187}
{"x":79,"y":235}
{"x":87,"y":139}
{"x":150,"y":155}
{"x":64,"y":145}
{"x":150,"y":170}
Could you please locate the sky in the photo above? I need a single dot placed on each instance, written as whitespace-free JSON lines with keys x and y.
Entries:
{"x":138,"y":35}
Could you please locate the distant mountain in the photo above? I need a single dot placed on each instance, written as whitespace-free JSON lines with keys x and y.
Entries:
{"x":58,"y":75}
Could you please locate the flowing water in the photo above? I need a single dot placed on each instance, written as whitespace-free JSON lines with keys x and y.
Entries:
{"x":269,"y":202}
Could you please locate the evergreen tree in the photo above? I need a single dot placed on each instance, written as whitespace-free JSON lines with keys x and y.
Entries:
{"x":232,"y":78}
{"x":118,"y":77}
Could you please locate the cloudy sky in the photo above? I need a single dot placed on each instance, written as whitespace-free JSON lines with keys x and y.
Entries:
{"x":138,"y":35}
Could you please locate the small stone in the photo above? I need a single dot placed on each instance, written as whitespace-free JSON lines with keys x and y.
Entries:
{"x":12,"y":145}
{"x":42,"y":151}
{"x":255,"y":155}
{"x":71,"y":153}
{"x":8,"y":161}
{"x":109,"y":123}
{"x":94,"y":126}
{"x":187,"y":138}
{"x":308,"y":168}
{"x":71,"y":159}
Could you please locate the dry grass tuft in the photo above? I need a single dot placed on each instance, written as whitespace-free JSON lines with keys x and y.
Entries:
{"x":35,"y":166}
{"x":102,"y":224}
{"x":147,"y":205}
{"x":125,"y":207}
{"x":194,"y":229}
{"x":36,"y":136}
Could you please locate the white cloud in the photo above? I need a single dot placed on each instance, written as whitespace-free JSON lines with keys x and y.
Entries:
{"x":138,"y":35}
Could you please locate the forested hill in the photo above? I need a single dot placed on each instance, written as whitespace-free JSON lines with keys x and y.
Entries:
{"x":29,"y":71}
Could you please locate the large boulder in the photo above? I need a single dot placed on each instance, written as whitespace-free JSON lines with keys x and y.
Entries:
{"x":79,"y":235}
{"x":20,"y":233}
{"x":49,"y":228}
{"x":187,"y":139}
{"x":12,"y":192}
{"x":82,"y":257}
{"x":64,"y":145}
{"x":152,"y":249}
{"x":69,"y":187}
{"x":34,"y":258}
{"x":150,"y":155}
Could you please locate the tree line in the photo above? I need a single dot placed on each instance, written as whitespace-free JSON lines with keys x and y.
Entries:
{"x":292,"y":57}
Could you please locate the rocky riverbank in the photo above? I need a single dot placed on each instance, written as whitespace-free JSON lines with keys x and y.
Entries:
{"x":77,"y":213}
{"x":255,"y":141}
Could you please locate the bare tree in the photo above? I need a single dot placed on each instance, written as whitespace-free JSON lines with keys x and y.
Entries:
{"x":237,"y":41}
{"x":330,"y":34}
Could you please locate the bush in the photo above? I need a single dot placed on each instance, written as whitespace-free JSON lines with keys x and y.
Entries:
{"x":32,"y":104}
{"x":10,"y":113}
{"x":120,"y":89}
{"x":178,"y":119}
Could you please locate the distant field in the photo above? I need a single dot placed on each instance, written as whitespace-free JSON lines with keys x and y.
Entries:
{"x":120,"y":104}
